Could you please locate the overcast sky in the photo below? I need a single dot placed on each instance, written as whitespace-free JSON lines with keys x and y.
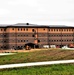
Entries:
{"x":37,"y":11}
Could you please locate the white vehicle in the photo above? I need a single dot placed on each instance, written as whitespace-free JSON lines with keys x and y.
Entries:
{"x":52,"y":46}
{"x":45,"y":46}
{"x":66,"y":47}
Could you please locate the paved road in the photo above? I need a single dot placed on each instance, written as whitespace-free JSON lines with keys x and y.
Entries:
{"x":2,"y":54}
{"x":36,"y":64}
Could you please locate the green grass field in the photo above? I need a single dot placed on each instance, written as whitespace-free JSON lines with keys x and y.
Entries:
{"x":65,"y":69}
{"x":37,"y":56}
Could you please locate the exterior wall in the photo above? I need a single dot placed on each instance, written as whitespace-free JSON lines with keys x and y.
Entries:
{"x":61,"y":36}
{"x":16,"y":37}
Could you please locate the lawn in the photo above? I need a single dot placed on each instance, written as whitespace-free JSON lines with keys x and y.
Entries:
{"x":37,"y":56}
{"x":61,"y":69}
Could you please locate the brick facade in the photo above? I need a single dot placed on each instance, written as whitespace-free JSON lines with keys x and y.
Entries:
{"x":16,"y":36}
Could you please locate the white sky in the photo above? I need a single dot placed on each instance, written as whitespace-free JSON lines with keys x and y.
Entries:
{"x":43,"y":12}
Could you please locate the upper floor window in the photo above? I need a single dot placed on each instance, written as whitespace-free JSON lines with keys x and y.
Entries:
{"x":24,"y":29}
{"x":21,"y":29}
{"x":56,"y":29}
{"x":51,"y":29}
{"x":27,"y":29}
{"x":44,"y":29}
{"x":18,"y":29}
{"x":1,"y":29}
{"x":32,"y":30}
{"x":4,"y":29}
{"x":12,"y":28}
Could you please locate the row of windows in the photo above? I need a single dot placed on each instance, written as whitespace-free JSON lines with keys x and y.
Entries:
{"x":2,"y":29}
{"x":2,"y":41}
{"x":60,"y":40}
{"x":61,"y":35}
{"x":32,"y":35}
{"x":25,"y":35}
{"x":60,"y":29}
{"x":33,"y":40}
{"x":26,"y":29}
{"x":22,"y":40}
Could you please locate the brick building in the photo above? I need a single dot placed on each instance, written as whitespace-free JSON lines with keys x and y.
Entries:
{"x":19,"y":35}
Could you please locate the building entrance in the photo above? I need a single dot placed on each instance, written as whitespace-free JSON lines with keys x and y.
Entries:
{"x":31,"y":45}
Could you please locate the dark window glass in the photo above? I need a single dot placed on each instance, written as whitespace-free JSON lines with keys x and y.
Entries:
{"x":32,"y":30}
{"x":51,"y":29}
{"x":44,"y":29}
{"x":4,"y":29}
{"x":26,"y":35}
{"x":1,"y":29}
{"x":12,"y":28}
{"x":18,"y":29}
{"x":57,"y":29}
{"x":27,"y":29}
{"x":33,"y":35}
{"x":38,"y":41}
{"x":21,"y":40}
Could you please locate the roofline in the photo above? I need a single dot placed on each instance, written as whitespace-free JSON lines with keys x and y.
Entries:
{"x":27,"y":25}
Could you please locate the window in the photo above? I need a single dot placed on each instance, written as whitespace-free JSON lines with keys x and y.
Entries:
{"x":4,"y":41}
{"x":54,"y":29}
{"x":61,"y":29}
{"x":18,"y":29}
{"x":4,"y":29}
{"x":13,"y":46}
{"x":27,"y":29}
{"x":26,"y":35}
{"x":1,"y":29}
{"x":24,"y":29}
{"x":38,"y":41}
{"x":18,"y":35}
{"x":21,"y":40}
{"x":51,"y":29}
{"x":67,"y":29}
{"x":57,"y":29}
{"x":18,"y":40}
{"x":33,"y":35}
{"x":64,"y":29}
{"x":44,"y":29}
{"x":12,"y":28}
{"x":32,"y":30}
